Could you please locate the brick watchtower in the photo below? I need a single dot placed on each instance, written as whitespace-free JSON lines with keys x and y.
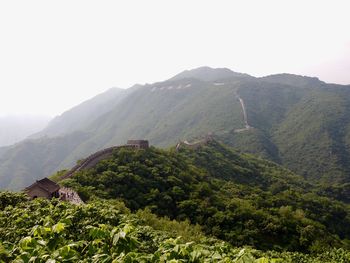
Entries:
{"x":142,"y":144}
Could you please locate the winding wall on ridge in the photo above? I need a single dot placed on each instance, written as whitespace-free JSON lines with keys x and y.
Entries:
{"x":245,"y":118}
{"x":93,"y":159}
{"x":196,"y":144}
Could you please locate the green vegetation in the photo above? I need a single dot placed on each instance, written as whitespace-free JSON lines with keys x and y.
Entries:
{"x":106,"y":231}
{"x":299,"y":122}
{"x":236,"y":198}
{"x":11,"y":199}
{"x":304,"y":127}
{"x":312,"y":139}
{"x":212,"y":204}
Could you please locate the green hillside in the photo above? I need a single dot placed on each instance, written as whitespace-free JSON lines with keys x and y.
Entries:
{"x":238,"y":198}
{"x":304,"y":128}
{"x":313,"y":137}
{"x":168,"y":111}
{"x":34,"y":159}
{"x":164,"y":113}
{"x":298,"y":122}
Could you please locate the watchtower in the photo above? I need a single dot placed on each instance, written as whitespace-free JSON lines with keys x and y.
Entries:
{"x":141,"y":144}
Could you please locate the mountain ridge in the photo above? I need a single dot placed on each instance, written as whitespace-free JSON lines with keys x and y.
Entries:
{"x":78,"y":117}
{"x":187,"y":108}
{"x":208,"y":74}
{"x":221,"y":190}
{"x":14,"y":129}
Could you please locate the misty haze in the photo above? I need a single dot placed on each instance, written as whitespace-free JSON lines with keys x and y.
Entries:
{"x":187,"y":131}
{"x":16,"y":128}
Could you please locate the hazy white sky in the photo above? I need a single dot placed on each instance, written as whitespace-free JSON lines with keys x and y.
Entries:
{"x":55,"y":54}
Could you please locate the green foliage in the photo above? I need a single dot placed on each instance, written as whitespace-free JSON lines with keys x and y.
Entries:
{"x":104,"y":231}
{"x":237,"y":198}
{"x":9,"y":198}
{"x":312,"y":138}
{"x":44,"y":231}
{"x":175,"y":228}
{"x":299,"y":122}
{"x":163,"y":117}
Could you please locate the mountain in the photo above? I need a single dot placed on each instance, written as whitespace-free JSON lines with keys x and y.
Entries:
{"x":308,"y":125}
{"x":296,"y":121}
{"x":235,"y":197}
{"x":294,"y":80}
{"x":16,"y":128}
{"x":82,"y":115}
{"x":43,"y":152}
{"x":208,"y":74}
{"x":33,"y":159}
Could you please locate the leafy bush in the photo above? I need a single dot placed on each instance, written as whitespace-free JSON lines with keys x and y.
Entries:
{"x":53,"y":231}
{"x":10,"y":198}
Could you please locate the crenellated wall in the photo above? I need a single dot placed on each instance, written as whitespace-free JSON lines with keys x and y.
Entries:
{"x":93,"y":159}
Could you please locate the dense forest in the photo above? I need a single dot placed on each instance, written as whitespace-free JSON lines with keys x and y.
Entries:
{"x":235,"y":197}
{"x":281,"y":194}
{"x":208,"y":203}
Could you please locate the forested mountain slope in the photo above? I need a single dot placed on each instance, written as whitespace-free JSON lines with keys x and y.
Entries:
{"x":308,"y":126}
{"x":296,"y":121}
{"x":163,"y":112}
{"x":34,"y":159}
{"x":237,"y":198}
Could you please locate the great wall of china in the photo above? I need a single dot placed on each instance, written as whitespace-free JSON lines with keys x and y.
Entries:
{"x":47,"y":188}
{"x":196,"y":144}
{"x":70,"y":195}
{"x":94,"y":158}
{"x":245,"y":118}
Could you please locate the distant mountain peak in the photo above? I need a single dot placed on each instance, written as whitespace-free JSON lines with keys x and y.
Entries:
{"x":135,"y":87}
{"x":208,"y":74}
{"x":293,"y":80}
